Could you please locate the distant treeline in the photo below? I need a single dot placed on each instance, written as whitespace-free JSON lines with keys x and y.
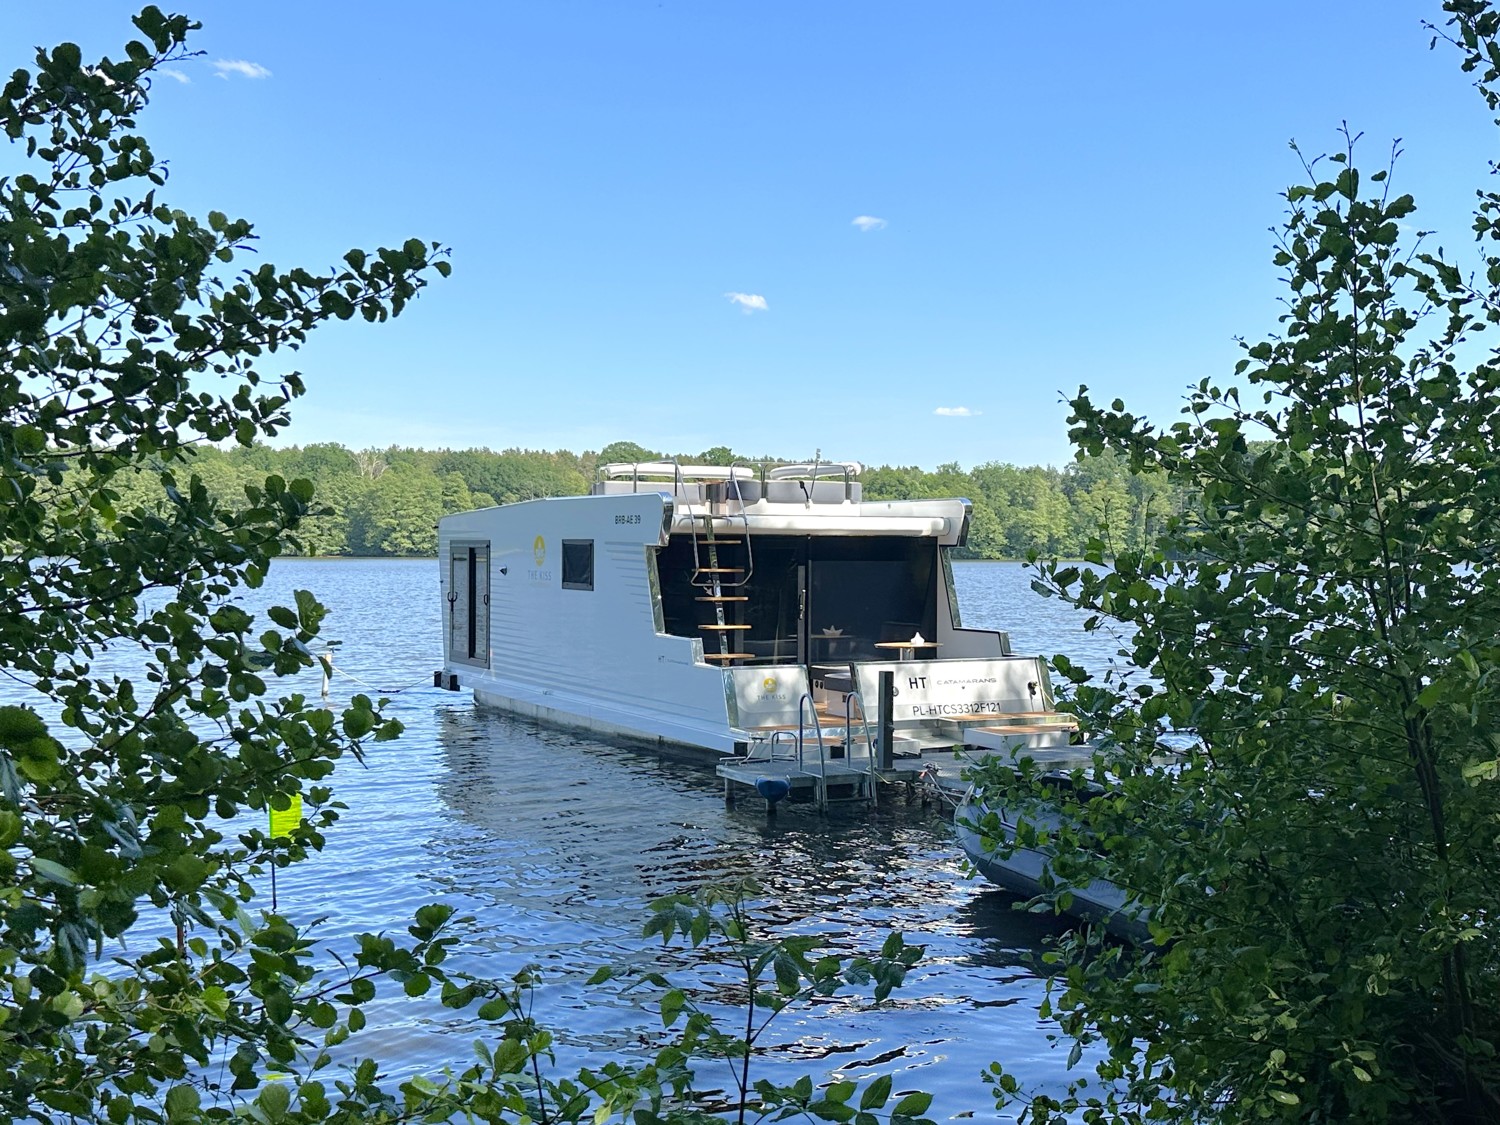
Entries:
{"x":386,"y":502}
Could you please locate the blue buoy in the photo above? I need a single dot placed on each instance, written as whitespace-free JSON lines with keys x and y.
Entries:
{"x":772,"y":789}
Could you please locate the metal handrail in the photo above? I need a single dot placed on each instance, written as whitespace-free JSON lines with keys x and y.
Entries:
{"x":635,"y":470}
{"x":716,"y":582}
{"x":864,"y":723}
{"x":734,"y":483}
{"x":771,"y":746}
{"x":802,"y":705}
{"x":820,"y":468}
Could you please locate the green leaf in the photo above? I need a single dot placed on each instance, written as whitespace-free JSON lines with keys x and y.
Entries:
{"x":876,"y":1093}
{"x":830,"y":1111}
{"x":671,"y":1007}
{"x":511,"y":1057}
{"x":274,"y":1101}
{"x":841,"y":1091}
{"x":53,"y":871}
{"x":182,"y":1103}
{"x":913,"y":1104}
{"x":282,"y":616}
{"x":358,"y":722}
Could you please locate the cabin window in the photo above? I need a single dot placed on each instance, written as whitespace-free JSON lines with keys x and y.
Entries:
{"x":578,"y":564}
{"x":951,"y":588}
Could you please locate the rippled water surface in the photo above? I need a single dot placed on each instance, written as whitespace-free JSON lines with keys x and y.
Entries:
{"x":554,"y":842}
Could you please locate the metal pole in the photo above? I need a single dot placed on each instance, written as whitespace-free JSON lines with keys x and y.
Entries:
{"x":887,"y":719}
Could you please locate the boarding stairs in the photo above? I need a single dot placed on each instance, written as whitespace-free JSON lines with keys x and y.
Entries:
{"x":823,"y":761}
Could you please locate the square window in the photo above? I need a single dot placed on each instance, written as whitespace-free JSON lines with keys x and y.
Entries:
{"x":578,"y":564}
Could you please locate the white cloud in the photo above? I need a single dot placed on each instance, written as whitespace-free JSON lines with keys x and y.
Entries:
{"x":170,"y":73}
{"x":956,"y":412}
{"x":225,"y":67}
{"x":750,"y":302}
{"x":868,"y":223}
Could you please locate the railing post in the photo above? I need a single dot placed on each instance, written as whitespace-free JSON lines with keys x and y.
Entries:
{"x":850,"y":700}
{"x":887,"y":719}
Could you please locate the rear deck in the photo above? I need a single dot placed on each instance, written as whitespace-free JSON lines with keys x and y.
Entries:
{"x":838,"y":762}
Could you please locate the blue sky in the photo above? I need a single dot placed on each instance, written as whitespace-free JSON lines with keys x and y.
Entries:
{"x":653,"y":207}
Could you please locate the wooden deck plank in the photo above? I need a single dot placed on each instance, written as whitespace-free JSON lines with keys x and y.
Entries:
{"x":1026,"y":718}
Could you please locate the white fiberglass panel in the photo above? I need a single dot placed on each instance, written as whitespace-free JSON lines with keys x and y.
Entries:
{"x":937,"y":689}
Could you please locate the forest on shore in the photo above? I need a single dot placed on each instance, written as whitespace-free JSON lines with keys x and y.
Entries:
{"x":386,"y":502}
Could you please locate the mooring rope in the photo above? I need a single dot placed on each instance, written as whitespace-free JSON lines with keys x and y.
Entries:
{"x":932,"y":784}
{"x":372,"y":687}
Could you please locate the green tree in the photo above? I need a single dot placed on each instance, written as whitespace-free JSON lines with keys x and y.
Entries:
{"x":1099,"y":502}
{"x":516,"y":474}
{"x":1016,"y":510}
{"x":1321,"y":867}
{"x":986,"y":538}
{"x":1153,"y":501}
{"x":891,"y":483}
{"x":118,"y":323}
{"x":317,"y":462}
{"x":1034,"y":514}
{"x":625,"y":452}
{"x":225,"y":477}
{"x":330,"y":530}
{"x":398,"y":514}
{"x":718,"y":455}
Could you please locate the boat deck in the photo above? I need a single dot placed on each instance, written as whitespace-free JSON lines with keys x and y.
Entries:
{"x":933,"y":774}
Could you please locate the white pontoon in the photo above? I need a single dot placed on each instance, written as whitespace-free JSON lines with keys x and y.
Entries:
{"x":744,"y":610}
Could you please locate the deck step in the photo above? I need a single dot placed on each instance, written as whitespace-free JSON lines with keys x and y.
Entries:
{"x":723,"y":598}
{"x":1029,"y":728}
{"x":717,"y":626}
{"x":728,"y":655}
{"x":834,"y":732}
{"x":721,"y":570}
{"x":832,"y":783}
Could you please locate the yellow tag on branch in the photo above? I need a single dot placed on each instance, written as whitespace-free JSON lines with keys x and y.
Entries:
{"x":285,"y":821}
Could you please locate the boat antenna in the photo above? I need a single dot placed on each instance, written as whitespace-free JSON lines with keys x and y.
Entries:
{"x":807,"y":493}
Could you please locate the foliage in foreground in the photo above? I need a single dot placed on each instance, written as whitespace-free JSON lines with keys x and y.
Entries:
{"x":119,"y":321}
{"x":153,"y":740}
{"x":1322,"y":868}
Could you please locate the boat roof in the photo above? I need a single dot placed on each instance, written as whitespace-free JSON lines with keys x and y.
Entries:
{"x":808,"y":470}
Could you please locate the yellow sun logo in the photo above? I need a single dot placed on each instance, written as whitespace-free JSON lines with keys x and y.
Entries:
{"x":539,"y":550}
{"x":769,"y":683}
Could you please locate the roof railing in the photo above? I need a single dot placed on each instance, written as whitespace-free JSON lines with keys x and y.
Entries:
{"x":765,"y":470}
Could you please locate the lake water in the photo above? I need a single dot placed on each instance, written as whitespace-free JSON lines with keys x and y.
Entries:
{"x":554,"y":842}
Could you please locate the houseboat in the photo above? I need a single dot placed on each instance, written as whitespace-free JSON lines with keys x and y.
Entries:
{"x":746,"y":611}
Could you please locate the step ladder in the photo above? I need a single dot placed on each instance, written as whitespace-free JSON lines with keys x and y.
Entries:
{"x":800,"y":757}
{"x":714,"y":578}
